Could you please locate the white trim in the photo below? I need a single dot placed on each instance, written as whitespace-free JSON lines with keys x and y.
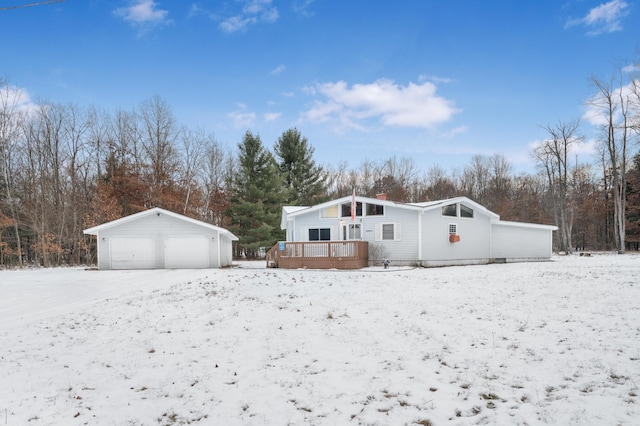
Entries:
{"x":525,"y":225}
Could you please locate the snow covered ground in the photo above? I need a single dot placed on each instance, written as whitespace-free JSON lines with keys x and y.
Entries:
{"x":530,"y":343}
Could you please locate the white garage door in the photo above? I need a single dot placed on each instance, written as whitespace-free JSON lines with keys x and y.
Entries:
{"x":132,"y":253}
{"x":186,"y":252}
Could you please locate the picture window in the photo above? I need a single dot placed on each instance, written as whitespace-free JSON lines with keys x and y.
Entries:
{"x":319,"y":234}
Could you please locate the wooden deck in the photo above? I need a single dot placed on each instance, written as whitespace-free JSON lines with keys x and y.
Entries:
{"x":319,"y":255}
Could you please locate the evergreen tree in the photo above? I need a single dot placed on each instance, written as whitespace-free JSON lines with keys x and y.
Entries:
{"x":633,"y":205}
{"x":302,"y":179}
{"x":256,"y":202}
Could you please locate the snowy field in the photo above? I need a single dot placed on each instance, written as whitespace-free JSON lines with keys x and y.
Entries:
{"x":531,"y":343}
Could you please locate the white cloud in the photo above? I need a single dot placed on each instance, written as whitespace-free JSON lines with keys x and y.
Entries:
{"x":303,"y":8}
{"x":15,"y":99}
{"x":272,"y":116}
{"x":279,"y":70}
{"x":434,"y":79}
{"x":236,"y":23}
{"x":142,"y":12}
{"x":414,"y":105}
{"x":605,"y":18}
{"x":242,"y":118}
{"x":253,"y":12}
{"x":455,"y":132}
{"x":631,"y":68}
{"x":143,"y":15}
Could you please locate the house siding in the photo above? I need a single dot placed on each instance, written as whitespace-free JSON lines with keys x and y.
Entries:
{"x":403,"y":250}
{"x":508,"y":243}
{"x":474,"y":244}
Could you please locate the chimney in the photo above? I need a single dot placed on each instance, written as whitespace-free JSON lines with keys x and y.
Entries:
{"x":382,"y":196}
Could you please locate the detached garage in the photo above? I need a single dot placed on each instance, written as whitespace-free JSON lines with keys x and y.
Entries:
{"x":160,"y":239}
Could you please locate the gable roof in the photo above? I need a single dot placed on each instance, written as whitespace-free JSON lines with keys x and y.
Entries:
{"x":289,"y":212}
{"x":430,"y":205}
{"x":293,"y":211}
{"x":158,"y":211}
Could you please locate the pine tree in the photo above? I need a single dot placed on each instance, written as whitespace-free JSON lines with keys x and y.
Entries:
{"x":256,"y":202}
{"x":633,"y":205}
{"x":302,"y":179}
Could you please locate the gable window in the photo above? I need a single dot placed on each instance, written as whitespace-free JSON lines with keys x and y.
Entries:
{"x":319,"y":234}
{"x":346,"y":209}
{"x":375,"y":210}
{"x":450,"y":210}
{"x":465,"y":211}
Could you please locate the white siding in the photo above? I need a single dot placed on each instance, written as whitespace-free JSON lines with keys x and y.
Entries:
{"x":473,"y":247}
{"x":513,"y":243}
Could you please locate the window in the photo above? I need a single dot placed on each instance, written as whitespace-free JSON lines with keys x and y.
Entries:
{"x":375,"y":210}
{"x":453,"y":228}
{"x":319,"y":234}
{"x":329,"y":212}
{"x":450,"y":210}
{"x":388,"y":231}
{"x":346,"y":209}
{"x":465,"y":211}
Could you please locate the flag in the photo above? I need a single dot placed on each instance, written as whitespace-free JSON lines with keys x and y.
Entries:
{"x":353,"y":206}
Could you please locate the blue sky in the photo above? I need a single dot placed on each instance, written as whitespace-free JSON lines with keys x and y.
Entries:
{"x":437,"y":81}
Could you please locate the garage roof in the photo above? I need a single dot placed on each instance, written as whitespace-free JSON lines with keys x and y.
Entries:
{"x":158,"y":211}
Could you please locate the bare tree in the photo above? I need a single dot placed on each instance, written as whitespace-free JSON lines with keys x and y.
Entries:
{"x":612,"y":103}
{"x":475,"y":179}
{"x":338,"y":180}
{"x":439,"y":185}
{"x":553,"y":158}
{"x":10,"y":124}
{"x":216,"y":172}
{"x":192,"y":152}
{"x":160,"y":134}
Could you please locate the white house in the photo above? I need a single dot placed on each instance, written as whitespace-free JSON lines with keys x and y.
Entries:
{"x":456,"y":231}
{"x":160,"y":239}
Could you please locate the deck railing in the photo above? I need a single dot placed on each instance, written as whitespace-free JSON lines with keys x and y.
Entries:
{"x":319,"y":255}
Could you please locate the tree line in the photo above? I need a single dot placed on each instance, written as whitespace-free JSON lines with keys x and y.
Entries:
{"x":64,"y":168}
